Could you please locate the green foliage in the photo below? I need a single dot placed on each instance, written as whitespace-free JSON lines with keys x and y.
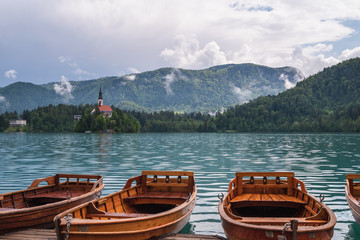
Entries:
{"x":165,"y":89}
{"x":119,"y":122}
{"x":60,"y":118}
{"x":4,"y":123}
{"x":326,"y":102}
{"x":168,"y":121}
{"x":4,"y":120}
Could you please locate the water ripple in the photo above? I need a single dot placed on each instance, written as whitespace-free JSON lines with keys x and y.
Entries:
{"x":320,"y":160}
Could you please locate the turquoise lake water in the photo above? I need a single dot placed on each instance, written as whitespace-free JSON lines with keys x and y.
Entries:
{"x":320,"y":160}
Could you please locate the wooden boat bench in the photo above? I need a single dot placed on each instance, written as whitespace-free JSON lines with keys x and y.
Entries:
{"x":116,"y":215}
{"x":279,"y":221}
{"x":264,"y":199}
{"x":157,"y":198}
{"x":50,"y":197}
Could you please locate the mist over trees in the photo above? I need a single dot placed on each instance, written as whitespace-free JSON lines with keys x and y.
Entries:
{"x":326,"y":102}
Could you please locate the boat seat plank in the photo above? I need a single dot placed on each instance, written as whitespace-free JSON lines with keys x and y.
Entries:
{"x":116,"y":215}
{"x":242,"y":197}
{"x":279,"y":221}
{"x":172,"y":198}
{"x":155,"y":195}
{"x":266,"y":197}
{"x":257,"y":197}
{"x":61,"y":195}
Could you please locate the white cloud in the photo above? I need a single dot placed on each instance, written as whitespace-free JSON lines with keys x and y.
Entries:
{"x":63,"y":59}
{"x":11,"y":74}
{"x":131,"y":77}
{"x":64,"y":88}
{"x":169,"y":79}
{"x":133,"y":70}
{"x":243,"y":95}
{"x":188,"y":54}
{"x":74,"y":66}
{"x":349,"y":53}
{"x":3,"y":101}
{"x":109,"y":36}
{"x":287,"y":83}
{"x":172,"y":77}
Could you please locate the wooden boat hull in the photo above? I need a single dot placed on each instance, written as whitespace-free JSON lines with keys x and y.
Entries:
{"x":147,"y":228}
{"x":132,"y":225}
{"x":42,"y":216}
{"x":235,"y":232}
{"x":352,"y":194}
{"x":241,"y":218}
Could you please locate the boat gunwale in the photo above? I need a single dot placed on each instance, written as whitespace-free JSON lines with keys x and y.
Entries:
{"x":12,"y":211}
{"x":225,"y":215}
{"x":132,"y":232}
{"x":351,"y":200}
{"x":179,"y":213}
{"x":80,"y":221}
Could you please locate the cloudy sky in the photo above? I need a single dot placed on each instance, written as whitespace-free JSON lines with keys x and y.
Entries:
{"x":48,"y":40}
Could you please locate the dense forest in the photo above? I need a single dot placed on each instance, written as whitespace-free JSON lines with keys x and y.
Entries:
{"x":326,"y":102}
{"x":60,"y":118}
{"x":167,"y":89}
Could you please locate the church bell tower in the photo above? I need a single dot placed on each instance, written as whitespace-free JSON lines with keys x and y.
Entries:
{"x":100,"y":99}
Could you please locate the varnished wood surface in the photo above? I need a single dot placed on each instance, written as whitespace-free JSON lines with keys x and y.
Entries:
{"x":126,"y":214}
{"x":275,"y":189}
{"x":49,"y":234}
{"x":36,"y":206}
{"x":266,"y":197}
{"x":34,"y":234}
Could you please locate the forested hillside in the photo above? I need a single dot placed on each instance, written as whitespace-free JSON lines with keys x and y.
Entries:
{"x":326,"y":102}
{"x":166,"y":89}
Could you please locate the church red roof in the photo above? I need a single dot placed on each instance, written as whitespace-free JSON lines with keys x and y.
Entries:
{"x":105,"y":108}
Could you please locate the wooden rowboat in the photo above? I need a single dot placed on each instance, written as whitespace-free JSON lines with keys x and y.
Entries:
{"x":352,"y":194}
{"x":38,"y":205}
{"x":275,"y":205}
{"x":159,"y":204}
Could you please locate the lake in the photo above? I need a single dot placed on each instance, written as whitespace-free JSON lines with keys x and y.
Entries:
{"x":320,"y":160}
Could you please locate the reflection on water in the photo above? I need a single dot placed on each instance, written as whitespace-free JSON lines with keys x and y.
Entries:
{"x":320,"y":160}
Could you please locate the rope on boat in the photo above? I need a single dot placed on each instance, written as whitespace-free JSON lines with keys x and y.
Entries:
{"x":293,"y":225}
{"x":68,"y":223}
{"x":286,"y":227}
{"x":322,"y":197}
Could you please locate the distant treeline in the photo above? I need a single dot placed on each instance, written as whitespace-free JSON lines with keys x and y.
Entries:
{"x":251,"y":117}
{"x":326,"y":102}
{"x":60,"y":118}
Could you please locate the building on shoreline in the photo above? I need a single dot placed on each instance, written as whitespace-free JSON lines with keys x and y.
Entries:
{"x":106,"y":110}
{"x":17,"y":123}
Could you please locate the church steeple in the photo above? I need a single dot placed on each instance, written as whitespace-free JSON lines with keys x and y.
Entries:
{"x":100,"y":99}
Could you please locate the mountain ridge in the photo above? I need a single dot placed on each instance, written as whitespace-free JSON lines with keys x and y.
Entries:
{"x":172,"y":89}
{"x":328,"y":101}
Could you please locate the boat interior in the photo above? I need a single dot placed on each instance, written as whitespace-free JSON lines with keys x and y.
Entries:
{"x":154,"y":192}
{"x":272,"y":199}
{"x":353,"y":183}
{"x":50,"y":190}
